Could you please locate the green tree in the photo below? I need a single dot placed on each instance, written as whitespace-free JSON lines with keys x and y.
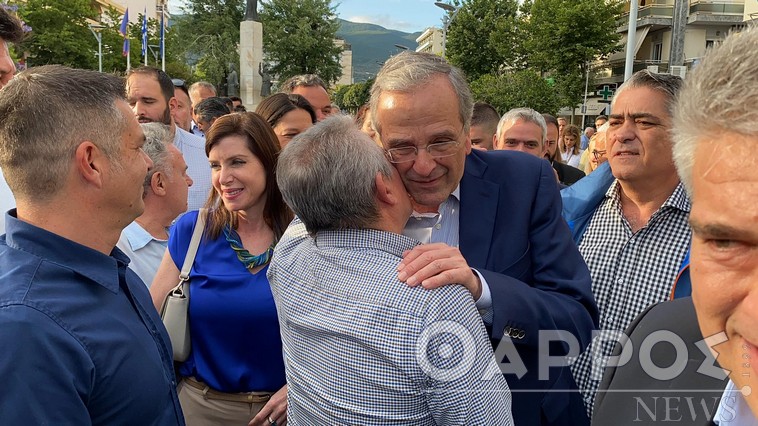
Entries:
{"x":516,"y":89}
{"x":208,"y":35}
{"x":482,"y":37}
{"x":59,"y":32}
{"x":298,"y":38}
{"x":565,"y":36}
{"x":353,"y":96}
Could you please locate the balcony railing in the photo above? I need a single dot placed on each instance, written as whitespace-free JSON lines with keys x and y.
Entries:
{"x":717,"y":7}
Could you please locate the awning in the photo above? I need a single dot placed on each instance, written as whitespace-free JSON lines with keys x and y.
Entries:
{"x":640,"y":38}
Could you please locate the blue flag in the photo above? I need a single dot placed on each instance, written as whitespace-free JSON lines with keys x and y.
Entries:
{"x":144,"y":35}
{"x":124,"y":23}
{"x":125,"y":51}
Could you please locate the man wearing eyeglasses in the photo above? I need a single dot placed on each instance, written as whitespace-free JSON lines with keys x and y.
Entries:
{"x":490,"y":222}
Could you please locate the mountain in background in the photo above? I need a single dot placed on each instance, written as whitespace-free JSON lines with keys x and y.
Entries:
{"x":372,"y":45}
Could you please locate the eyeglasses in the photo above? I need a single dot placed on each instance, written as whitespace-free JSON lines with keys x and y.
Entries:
{"x":598,"y":154}
{"x":178,"y":82}
{"x":409,"y":153}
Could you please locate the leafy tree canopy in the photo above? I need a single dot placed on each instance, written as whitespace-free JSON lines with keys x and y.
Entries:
{"x":298,"y":38}
{"x":482,"y":35}
{"x":515,"y":90}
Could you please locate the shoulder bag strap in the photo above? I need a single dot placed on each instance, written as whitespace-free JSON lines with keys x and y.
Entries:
{"x":197,"y":234}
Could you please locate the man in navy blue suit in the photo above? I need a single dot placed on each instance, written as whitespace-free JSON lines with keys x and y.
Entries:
{"x":491,"y":222}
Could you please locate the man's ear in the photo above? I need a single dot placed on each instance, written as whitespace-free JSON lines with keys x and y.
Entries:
{"x":158,"y":183}
{"x":495,"y":144}
{"x":173,"y":104}
{"x":90,"y":162}
{"x":384,"y":190}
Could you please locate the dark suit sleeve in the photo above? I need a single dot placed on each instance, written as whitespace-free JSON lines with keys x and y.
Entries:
{"x":553,"y":288}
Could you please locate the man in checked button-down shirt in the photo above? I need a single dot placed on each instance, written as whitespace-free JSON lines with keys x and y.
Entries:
{"x":360,"y":346}
{"x":634,"y":235}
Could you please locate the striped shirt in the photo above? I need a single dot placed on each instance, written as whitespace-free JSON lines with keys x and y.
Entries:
{"x":361,"y":347}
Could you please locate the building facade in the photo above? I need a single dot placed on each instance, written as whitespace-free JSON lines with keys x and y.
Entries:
{"x":430,"y":41}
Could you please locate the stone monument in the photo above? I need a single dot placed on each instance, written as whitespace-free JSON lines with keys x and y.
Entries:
{"x":251,"y":56}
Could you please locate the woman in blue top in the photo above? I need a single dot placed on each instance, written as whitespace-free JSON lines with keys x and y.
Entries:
{"x":235,"y":371}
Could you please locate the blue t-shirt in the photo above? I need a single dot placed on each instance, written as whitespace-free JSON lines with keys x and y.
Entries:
{"x":81,"y":341}
{"x":236,"y":345}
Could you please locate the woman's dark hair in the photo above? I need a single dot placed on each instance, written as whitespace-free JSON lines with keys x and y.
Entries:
{"x":274,"y":107}
{"x":262,"y":142}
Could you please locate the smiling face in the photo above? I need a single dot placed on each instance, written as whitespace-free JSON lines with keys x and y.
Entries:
{"x":638,"y":141}
{"x":292,"y":124}
{"x":724,"y":267}
{"x":425,"y":116}
{"x":238,"y":176}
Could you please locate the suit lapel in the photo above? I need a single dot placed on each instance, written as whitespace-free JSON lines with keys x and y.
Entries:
{"x":479,"y":201}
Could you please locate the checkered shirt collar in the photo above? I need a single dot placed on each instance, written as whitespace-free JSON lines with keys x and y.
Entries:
{"x":390,"y":242}
{"x":678,"y":199}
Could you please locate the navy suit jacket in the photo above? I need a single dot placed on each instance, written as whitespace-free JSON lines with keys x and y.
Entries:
{"x":512,"y":232}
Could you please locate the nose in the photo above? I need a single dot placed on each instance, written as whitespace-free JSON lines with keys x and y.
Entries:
{"x":424,"y":163}
{"x":189,"y":180}
{"x":320,"y":116}
{"x":146,"y":159}
{"x":225,"y":176}
{"x":623,"y":132}
{"x":7,"y":67}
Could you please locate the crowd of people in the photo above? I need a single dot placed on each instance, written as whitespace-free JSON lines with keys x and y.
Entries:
{"x":428,"y":261}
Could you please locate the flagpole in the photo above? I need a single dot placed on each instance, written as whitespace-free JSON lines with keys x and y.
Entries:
{"x":129,"y":58}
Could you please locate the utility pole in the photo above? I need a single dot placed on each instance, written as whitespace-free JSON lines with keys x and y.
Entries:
{"x":631,"y":39}
{"x":678,"y":27}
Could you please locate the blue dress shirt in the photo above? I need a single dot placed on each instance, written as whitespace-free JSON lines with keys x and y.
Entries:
{"x":82,"y":342}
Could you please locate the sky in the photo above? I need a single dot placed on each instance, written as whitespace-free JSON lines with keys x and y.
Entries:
{"x":403,"y":15}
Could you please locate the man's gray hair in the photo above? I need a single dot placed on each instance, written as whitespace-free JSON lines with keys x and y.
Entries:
{"x":195,"y":87}
{"x":526,"y":115}
{"x":718,"y":98}
{"x":157,"y":139}
{"x":407,"y":71}
{"x":45,"y":113}
{"x":307,"y":80}
{"x":666,"y":84}
{"x":327,"y":176}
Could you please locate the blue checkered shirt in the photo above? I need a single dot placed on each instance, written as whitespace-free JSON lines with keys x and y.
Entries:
{"x":361,"y":347}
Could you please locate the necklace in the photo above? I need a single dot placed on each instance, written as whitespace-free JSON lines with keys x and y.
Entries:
{"x":249,"y":260}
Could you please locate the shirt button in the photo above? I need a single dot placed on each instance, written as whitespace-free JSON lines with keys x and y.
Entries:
{"x":620,"y":281}
{"x":437,"y":226}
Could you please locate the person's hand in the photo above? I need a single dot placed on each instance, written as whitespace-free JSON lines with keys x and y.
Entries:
{"x":274,"y":412}
{"x":435,"y":265}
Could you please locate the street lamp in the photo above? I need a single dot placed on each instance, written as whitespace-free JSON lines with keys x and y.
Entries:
{"x":448,"y":20}
{"x":99,"y":38}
